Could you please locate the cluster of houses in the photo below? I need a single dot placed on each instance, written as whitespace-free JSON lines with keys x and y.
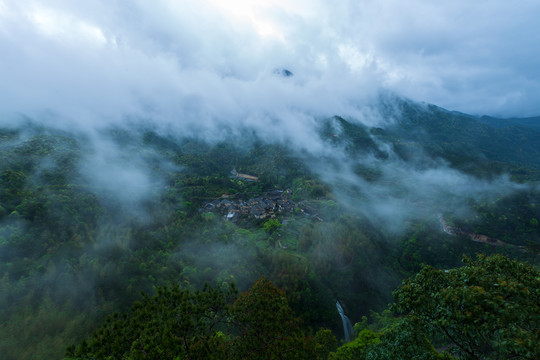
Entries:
{"x":266,"y":206}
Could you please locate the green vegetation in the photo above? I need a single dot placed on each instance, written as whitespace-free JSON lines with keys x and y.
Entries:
{"x":466,"y":143}
{"x":207,"y":324}
{"x":487,"y":309}
{"x":77,"y":246}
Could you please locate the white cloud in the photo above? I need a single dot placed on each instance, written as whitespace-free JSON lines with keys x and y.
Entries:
{"x":181,"y":60}
{"x":207,"y":68}
{"x":64,"y":27}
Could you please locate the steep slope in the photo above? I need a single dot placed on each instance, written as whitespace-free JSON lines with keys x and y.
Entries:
{"x":469,"y":144}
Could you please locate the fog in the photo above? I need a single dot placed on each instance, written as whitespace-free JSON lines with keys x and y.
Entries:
{"x":201,"y":61}
{"x":208,"y":70}
{"x":403,"y":192}
{"x":213,"y":70}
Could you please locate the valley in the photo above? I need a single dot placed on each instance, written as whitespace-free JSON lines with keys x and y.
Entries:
{"x":348,"y":221}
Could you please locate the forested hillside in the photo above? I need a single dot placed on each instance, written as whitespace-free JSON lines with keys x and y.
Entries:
{"x":88,"y":220}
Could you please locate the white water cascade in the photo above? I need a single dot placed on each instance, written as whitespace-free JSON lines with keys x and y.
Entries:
{"x":347,"y":326}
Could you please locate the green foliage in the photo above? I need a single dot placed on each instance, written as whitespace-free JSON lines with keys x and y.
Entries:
{"x":68,"y":246}
{"x":467,"y":144}
{"x":376,"y":322}
{"x":173,"y":323}
{"x":325,"y":343}
{"x":512,"y":219}
{"x":487,"y":309}
{"x":355,"y":138}
{"x":271,"y":225}
{"x":268,"y":327}
{"x":182,"y":324}
{"x":356,"y":349}
{"x":404,"y":341}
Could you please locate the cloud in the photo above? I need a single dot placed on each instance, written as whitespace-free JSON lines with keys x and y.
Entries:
{"x":419,"y":189}
{"x":207,"y":68}
{"x":183,"y":60}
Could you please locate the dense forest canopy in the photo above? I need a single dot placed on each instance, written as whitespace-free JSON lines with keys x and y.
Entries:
{"x":487,"y":309}
{"x":89,"y":220}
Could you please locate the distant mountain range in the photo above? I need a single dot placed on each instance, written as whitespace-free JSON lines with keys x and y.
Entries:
{"x":529,"y":122}
{"x":482,"y":146}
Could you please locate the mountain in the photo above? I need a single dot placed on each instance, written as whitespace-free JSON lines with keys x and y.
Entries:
{"x":88,"y":219}
{"x":530,"y":123}
{"x":467,"y":143}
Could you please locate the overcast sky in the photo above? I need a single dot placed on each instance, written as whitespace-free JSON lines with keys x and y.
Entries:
{"x":181,"y":60}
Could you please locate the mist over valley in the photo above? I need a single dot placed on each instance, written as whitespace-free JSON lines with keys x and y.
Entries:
{"x":271,"y":175}
{"x":91,"y":219}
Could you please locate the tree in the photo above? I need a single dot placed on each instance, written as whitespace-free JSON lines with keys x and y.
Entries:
{"x":175,"y":323}
{"x":403,"y":341}
{"x":267,"y":326}
{"x":271,"y":225}
{"x":487,"y":309}
{"x":181,"y":324}
{"x":356,"y":349}
{"x":325,"y":342}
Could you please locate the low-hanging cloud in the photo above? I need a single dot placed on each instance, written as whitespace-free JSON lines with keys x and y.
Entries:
{"x":191,"y":62}
{"x":391,"y":192}
{"x":207,"y":69}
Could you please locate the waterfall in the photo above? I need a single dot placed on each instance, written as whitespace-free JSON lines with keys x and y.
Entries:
{"x":347,"y":326}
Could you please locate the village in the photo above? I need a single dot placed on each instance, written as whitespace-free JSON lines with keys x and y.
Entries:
{"x":267,"y":206}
